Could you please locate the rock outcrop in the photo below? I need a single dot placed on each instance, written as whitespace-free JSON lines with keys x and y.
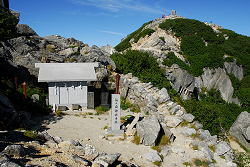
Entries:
{"x":19,"y":55}
{"x":241,"y":129}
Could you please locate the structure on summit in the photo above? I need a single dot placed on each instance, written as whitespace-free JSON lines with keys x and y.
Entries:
{"x":172,"y":15}
{"x":67,"y":82}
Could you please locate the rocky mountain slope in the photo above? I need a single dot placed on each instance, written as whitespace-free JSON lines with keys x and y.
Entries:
{"x":181,"y":80}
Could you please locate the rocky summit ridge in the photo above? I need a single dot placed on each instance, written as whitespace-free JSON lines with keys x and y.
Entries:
{"x":187,"y":141}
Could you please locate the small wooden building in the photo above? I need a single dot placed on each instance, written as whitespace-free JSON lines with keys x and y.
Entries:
{"x":67,"y":82}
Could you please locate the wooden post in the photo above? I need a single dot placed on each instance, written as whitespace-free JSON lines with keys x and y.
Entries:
{"x":24,"y":90}
{"x":117,"y":84}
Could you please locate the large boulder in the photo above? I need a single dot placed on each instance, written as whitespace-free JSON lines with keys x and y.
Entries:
{"x":109,"y":49}
{"x":148,"y":131}
{"x":25,"y":30}
{"x":232,"y":67}
{"x":240,"y":127}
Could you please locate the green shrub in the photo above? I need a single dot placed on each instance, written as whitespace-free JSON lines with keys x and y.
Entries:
{"x":229,"y":59}
{"x":146,"y":68}
{"x":125,"y":43}
{"x":162,"y":38}
{"x":7,"y":24}
{"x":171,"y":59}
{"x":144,"y":33}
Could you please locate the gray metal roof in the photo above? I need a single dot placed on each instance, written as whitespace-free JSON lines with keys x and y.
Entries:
{"x":60,"y":72}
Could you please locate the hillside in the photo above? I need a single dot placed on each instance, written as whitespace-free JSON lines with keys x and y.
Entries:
{"x":207,"y":65}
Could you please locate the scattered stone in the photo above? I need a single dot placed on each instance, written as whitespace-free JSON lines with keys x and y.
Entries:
{"x":90,"y":152}
{"x":58,"y":139}
{"x":148,"y":130}
{"x":79,"y":150}
{"x":80,"y":160}
{"x":222,"y":148}
{"x":202,"y":146}
{"x":198,"y":125}
{"x":167,"y":132}
{"x":110,"y":159}
{"x":175,"y":109}
{"x":14,"y":150}
{"x":163,"y":95}
{"x":188,"y":131}
{"x":179,"y":113}
{"x":165,"y":151}
{"x":152,"y":157}
{"x":70,"y":143}
{"x":188,"y":117}
{"x":174,"y":121}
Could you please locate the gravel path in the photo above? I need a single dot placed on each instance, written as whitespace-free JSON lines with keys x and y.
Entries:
{"x":90,"y":130}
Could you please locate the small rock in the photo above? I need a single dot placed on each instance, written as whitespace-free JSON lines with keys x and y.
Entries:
{"x":221,"y":148}
{"x":174,"y":121}
{"x":80,"y":160}
{"x":188,"y":131}
{"x":14,"y":150}
{"x":188,"y":117}
{"x":110,"y":159}
{"x":90,"y":152}
{"x":79,"y":150}
{"x":152,"y":157}
{"x":101,"y":136}
{"x":58,"y":139}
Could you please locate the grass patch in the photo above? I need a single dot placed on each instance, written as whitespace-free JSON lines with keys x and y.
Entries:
{"x":157,"y":148}
{"x":30,"y":134}
{"x":157,"y":163}
{"x":198,"y":162}
{"x":164,"y":140}
{"x":101,"y":110}
{"x":184,"y":123}
{"x":125,"y":118}
{"x":195,"y":147}
{"x":136,"y":139}
{"x":105,"y":127}
{"x":77,"y":115}
{"x":212,"y":148}
{"x":194,"y":135}
{"x":186,"y":164}
{"x":59,"y":113}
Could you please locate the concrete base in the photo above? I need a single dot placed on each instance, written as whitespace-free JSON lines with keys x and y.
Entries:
{"x":115,"y":132}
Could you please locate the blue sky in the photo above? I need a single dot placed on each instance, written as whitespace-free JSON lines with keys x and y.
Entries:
{"x":102,"y":22}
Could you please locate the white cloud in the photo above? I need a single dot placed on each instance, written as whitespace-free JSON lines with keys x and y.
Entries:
{"x":122,"y":5}
{"x":116,"y":33}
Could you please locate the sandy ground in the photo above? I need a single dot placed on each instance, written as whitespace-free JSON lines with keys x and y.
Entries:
{"x":75,"y":127}
{"x":89,"y":129}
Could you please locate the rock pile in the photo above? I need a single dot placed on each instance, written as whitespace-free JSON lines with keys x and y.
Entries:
{"x":19,"y":55}
{"x":167,"y":117}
